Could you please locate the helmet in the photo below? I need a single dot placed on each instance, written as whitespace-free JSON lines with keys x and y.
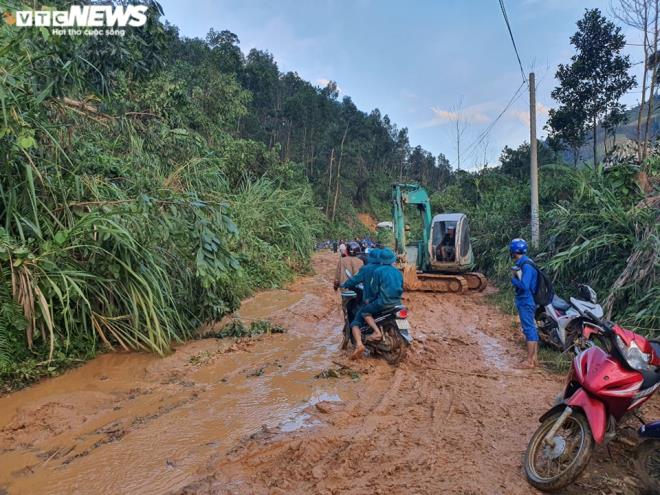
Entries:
{"x":586,"y":293}
{"x":518,"y":246}
{"x":386,"y":256}
{"x":353,"y":248}
{"x":373,"y":256}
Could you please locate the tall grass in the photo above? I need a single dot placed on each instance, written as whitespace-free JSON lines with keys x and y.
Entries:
{"x":128,"y":232}
{"x":598,"y":227}
{"x":607,"y":235}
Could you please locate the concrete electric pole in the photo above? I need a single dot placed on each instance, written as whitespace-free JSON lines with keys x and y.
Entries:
{"x":533,"y":161}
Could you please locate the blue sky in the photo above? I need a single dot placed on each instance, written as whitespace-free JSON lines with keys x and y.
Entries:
{"x":415,"y":61}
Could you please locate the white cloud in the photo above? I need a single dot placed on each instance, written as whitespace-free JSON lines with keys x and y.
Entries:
{"x":471,"y":115}
{"x":523,"y":115}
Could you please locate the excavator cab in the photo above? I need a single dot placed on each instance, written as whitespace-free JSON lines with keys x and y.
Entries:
{"x":441,"y":260}
{"x":449,"y":245}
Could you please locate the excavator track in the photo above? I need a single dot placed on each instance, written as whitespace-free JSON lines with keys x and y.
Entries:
{"x":436,"y":282}
{"x":476,"y":281}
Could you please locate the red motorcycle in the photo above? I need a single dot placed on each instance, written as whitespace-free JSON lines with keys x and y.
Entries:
{"x":603,"y":385}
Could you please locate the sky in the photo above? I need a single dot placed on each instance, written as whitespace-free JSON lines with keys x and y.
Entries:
{"x":415,"y":61}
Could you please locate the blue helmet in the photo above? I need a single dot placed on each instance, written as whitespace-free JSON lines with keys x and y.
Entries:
{"x":373,"y":256}
{"x":518,"y":246}
{"x":386,"y":256}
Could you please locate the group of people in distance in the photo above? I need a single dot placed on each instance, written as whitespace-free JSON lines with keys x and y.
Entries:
{"x":382,"y":287}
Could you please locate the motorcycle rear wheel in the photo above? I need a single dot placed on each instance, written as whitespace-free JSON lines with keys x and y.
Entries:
{"x":392,"y":347}
{"x":647,"y":465}
{"x":550,"y":469}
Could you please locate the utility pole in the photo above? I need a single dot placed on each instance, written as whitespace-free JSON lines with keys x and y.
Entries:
{"x":533,"y":161}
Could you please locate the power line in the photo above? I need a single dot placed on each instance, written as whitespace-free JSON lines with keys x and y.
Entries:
{"x":515,"y":48}
{"x":485,"y":132}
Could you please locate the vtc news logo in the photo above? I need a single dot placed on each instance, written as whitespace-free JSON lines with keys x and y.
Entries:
{"x":79,"y":17}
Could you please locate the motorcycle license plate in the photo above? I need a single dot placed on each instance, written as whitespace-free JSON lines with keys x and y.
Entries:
{"x":403,"y":330}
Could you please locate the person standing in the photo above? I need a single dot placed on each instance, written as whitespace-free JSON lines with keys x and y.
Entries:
{"x":524,"y":281}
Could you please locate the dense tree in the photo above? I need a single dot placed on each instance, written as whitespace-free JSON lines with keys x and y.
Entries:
{"x":443,"y":171}
{"x":349,"y":156}
{"x":515,"y":162}
{"x":592,"y":84}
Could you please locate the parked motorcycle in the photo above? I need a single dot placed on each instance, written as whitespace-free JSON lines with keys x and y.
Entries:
{"x":647,"y":460}
{"x":604,"y":384}
{"x":560,"y":323}
{"x":393,"y":323}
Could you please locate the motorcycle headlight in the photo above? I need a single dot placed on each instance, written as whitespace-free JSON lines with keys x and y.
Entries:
{"x":633,"y":355}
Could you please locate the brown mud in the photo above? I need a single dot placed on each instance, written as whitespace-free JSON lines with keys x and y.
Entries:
{"x":290,"y":414}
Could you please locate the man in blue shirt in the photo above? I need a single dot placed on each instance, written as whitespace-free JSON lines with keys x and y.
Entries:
{"x":364,"y":277}
{"x":524,"y":281}
{"x":386,"y":288}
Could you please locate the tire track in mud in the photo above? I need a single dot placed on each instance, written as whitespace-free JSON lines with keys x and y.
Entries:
{"x":455,"y":417}
{"x":132,"y":423}
{"x":234,"y":417}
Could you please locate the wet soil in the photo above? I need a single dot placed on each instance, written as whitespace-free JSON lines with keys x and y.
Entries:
{"x":290,"y":413}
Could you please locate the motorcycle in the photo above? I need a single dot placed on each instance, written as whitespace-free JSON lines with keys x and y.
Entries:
{"x":604,"y":384}
{"x":647,"y":462}
{"x":393,"y":323}
{"x":560,"y":323}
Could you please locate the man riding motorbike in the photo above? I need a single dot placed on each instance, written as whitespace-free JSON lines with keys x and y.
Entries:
{"x":364,"y":277}
{"x":387,"y":287}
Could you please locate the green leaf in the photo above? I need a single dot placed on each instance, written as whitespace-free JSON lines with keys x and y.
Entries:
{"x":60,"y":237}
{"x":25,"y":141}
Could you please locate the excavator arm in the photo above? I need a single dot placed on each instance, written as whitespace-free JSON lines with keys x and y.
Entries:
{"x":411,"y":194}
{"x":419,"y":275}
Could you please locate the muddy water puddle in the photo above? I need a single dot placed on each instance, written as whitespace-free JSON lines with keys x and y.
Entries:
{"x":134,"y":423}
{"x":268,"y":302}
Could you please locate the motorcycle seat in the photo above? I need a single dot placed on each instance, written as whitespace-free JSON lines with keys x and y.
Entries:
{"x":389,"y":311}
{"x":559,"y":303}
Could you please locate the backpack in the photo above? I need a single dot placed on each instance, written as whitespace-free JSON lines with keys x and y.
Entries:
{"x":544,"y":290}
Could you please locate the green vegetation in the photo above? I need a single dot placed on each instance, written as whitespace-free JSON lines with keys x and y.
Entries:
{"x":236,"y":328}
{"x":599,"y":227}
{"x":149,"y":182}
{"x":591,"y":85}
{"x":130,"y":213}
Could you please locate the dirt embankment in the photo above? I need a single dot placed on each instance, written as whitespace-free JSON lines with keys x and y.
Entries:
{"x":368,"y":221}
{"x":250,"y":417}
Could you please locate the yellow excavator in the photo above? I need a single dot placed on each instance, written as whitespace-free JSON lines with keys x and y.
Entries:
{"x":442,"y":259}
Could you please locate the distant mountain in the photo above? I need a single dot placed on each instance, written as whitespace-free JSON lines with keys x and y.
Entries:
{"x":623,"y":133}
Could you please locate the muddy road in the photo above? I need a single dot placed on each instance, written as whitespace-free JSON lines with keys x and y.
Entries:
{"x":280,"y":413}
